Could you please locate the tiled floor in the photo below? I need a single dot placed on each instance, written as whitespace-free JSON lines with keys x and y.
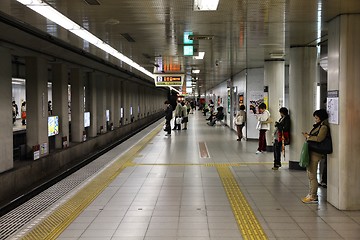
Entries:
{"x":170,"y":194}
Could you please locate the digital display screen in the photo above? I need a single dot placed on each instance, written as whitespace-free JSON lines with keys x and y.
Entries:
{"x":107,"y":114}
{"x":86,"y":119}
{"x":53,"y":125}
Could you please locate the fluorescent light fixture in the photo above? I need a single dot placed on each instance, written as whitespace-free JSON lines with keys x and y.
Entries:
{"x":205,"y":5}
{"x":196,"y":71}
{"x":171,"y":88}
{"x":55,"y":16}
{"x":277,"y":55}
{"x":200,"y":56}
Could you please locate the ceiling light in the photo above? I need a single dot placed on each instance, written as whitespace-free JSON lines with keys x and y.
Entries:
{"x":196,"y":71}
{"x":277,"y":55}
{"x":53,"y":15}
{"x":200,"y":56}
{"x":205,"y":5}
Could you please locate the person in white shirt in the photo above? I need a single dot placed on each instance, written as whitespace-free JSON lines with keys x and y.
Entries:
{"x":240,"y":120}
{"x":263,"y":125}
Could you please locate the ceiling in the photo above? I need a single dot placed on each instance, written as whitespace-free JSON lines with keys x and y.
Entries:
{"x":243,"y":32}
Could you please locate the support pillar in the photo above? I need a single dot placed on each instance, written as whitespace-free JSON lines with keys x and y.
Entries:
{"x":37,"y":105}
{"x":6,"y":133}
{"x":110,"y":100}
{"x":117,"y":102}
{"x":93,"y":105}
{"x":101,"y":103}
{"x":60,"y":102}
{"x":77,"y":104}
{"x":343,"y":76}
{"x":274,"y":80}
{"x":302,"y":91}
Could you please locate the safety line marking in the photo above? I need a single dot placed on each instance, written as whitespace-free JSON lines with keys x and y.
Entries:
{"x":204,"y":153}
{"x":52,"y":226}
{"x":247,"y":222}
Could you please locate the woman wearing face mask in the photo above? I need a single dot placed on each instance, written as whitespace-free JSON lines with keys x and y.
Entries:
{"x":318,"y":134}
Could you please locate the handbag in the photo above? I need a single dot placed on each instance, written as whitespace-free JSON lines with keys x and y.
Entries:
{"x":178,"y":120}
{"x":304,"y":155}
{"x":284,"y":136}
{"x":239,"y":120}
{"x":323,"y":147}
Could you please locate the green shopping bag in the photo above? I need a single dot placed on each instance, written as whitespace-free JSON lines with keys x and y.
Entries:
{"x":304,"y":155}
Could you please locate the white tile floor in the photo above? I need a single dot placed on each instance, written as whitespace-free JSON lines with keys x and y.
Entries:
{"x":188,"y":202}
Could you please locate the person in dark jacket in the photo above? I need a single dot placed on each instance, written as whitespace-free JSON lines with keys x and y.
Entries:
{"x":168,"y":117}
{"x":282,"y":130}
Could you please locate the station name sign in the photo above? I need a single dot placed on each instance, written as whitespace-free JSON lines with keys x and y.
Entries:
{"x":165,"y":80}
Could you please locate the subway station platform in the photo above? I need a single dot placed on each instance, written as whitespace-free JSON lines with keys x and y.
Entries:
{"x":198,"y":184}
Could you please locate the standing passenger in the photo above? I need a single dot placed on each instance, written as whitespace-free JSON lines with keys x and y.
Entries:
{"x":23,"y":113}
{"x":184,"y":115}
{"x":320,"y":131}
{"x":263,"y":125}
{"x":168,"y":117}
{"x":178,"y":112}
{"x":282,"y":130}
{"x":240,"y":120}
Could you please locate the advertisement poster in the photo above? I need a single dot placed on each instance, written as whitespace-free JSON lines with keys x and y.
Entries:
{"x":332,"y":106}
{"x":255,"y":99}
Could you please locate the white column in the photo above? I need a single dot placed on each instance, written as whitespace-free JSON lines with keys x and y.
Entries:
{"x":101,"y":103}
{"x":93,"y":105}
{"x":302,"y":89}
{"x":117,"y":102}
{"x":274,"y":79}
{"x":126,"y":102}
{"x":36,"y":104}
{"x":343,"y":76}
{"x":60,"y":101}
{"x":77,"y":104}
{"x":6,"y":133}
{"x":110,"y":98}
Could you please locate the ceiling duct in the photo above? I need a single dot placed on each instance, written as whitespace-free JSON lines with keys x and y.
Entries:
{"x":128,"y":37}
{"x":92,"y":2}
{"x":201,"y":37}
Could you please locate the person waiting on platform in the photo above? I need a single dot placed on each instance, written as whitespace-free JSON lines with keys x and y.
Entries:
{"x":178,"y":113}
{"x":263,"y":125}
{"x":281,"y":136}
{"x":23,"y":113}
{"x":217,"y":116}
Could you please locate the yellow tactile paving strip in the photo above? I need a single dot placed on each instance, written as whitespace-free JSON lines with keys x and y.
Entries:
{"x":245,"y":217}
{"x":56,"y":223}
{"x":52,"y":226}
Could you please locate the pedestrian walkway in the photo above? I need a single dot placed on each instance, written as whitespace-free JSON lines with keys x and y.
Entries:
{"x":199,"y":184}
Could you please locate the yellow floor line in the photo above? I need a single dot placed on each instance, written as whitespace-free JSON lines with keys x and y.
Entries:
{"x":52,"y":226}
{"x":248,"y":224}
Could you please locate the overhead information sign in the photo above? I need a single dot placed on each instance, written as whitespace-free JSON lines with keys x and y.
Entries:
{"x":164,"y":80}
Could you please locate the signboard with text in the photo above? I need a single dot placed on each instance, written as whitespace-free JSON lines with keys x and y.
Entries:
{"x":165,"y":80}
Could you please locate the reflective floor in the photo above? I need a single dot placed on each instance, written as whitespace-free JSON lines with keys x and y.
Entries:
{"x":174,"y":191}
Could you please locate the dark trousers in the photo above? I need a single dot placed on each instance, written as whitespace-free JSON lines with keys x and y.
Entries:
{"x":277,"y":153}
{"x":168,"y":126}
{"x":262,"y":140}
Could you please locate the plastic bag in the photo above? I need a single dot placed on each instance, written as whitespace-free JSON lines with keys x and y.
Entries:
{"x":304,"y":156}
{"x":239,"y":120}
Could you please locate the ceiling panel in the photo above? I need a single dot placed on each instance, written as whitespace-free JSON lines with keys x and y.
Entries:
{"x":245,"y":32}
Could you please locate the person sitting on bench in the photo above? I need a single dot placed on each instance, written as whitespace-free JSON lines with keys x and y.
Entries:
{"x":218,"y":116}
